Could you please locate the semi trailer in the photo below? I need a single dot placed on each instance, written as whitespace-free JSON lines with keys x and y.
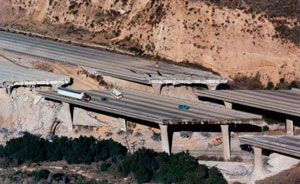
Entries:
{"x":80,"y":95}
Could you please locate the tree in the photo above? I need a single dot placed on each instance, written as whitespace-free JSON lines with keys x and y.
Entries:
{"x":26,"y":148}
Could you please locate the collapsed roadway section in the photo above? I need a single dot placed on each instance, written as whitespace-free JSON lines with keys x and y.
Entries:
{"x":107,"y":63}
{"x":161,"y":110}
{"x":13,"y":75}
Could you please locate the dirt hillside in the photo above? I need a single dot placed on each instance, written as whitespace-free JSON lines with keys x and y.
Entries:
{"x":230,"y":41}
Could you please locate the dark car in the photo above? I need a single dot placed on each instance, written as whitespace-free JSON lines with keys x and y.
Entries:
{"x":183,"y":107}
{"x":156,"y":137}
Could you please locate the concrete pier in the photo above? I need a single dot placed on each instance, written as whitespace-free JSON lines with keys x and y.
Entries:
{"x":157,"y":88}
{"x":212,"y":86}
{"x":226,"y":142}
{"x":166,"y":146}
{"x":123,"y":124}
{"x":258,"y":163}
{"x":228,"y":105}
{"x":289,"y":127}
{"x":69,"y":109}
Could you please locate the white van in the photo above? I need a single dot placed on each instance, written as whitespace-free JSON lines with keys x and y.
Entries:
{"x":116,"y":93}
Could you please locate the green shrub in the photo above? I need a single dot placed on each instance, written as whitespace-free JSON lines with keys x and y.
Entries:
{"x":126,"y":166}
{"x":215,"y":177}
{"x":236,"y":159}
{"x":175,"y":167}
{"x":244,"y":82}
{"x":4,"y":163}
{"x":149,"y":166}
{"x":26,"y":148}
{"x":114,"y":169}
{"x":40,"y":174}
{"x":143,"y":165}
{"x":31,"y":148}
{"x":270,"y":85}
{"x":104,"y":167}
{"x":294,"y":84}
{"x":196,"y":176}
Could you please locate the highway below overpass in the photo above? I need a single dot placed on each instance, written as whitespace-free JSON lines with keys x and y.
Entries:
{"x":107,"y":63}
{"x":283,"y":102}
{"x":159,"y":109}
{"x":286,"y":145}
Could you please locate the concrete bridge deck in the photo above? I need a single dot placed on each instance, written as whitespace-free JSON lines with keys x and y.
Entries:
{"x":12,"y":75}
{"x":106,"y":63}
{"x":157,"y":108}
{"x":287,"y":145}
{"x":161,"y":110}
{"x":286,"y":102}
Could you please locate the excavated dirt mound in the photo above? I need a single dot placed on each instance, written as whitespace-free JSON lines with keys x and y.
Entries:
{"x":290,"y":176}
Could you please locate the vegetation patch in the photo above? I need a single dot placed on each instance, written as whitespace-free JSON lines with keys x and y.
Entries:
{"x":79,"y":150}
{"x":144,"y":165}
{"x":39,"y":175}
{"x":149,"y":166}
{"x":244,"y":82}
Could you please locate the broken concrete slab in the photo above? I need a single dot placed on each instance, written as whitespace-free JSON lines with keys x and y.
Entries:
{"x":12,"y":75}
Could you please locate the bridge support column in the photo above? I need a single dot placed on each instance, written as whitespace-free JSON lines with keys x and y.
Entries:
{"x":258,"y":162}
{"x":8,"y":90}
{"x":123,"y":124}
{"x":228,"y":105}
{"x":166,"y":145}
{"x":226,"y":142}
{"x":157,"y":88}
{"x":289,"y":126}
{"x":69,"y":109}
{"x":212,"y":86}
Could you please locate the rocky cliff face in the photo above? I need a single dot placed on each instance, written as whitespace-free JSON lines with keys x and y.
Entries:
{"x":229,"y":41}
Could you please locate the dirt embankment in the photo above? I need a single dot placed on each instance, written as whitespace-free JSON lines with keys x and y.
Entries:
{"x":290,"y":176}
{"x":228,"y":41}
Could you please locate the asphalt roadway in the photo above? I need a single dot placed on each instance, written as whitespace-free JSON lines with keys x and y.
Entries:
{"x":280,"y":101}
{"x":289,"y":145}
{"x":156,"y":108}
{"x":106,"y":63}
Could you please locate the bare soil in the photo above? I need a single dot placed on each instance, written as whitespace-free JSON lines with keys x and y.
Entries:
{"x":290,"y":176}
{"x":229,"y":41}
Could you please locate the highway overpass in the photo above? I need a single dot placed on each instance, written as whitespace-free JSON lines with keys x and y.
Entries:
{"x":159,"y":109}
{"x":287,"y":145}
{"x":107,"y":63}
{"x":284,"y":102}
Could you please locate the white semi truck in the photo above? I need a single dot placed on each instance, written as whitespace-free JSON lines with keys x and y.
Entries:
{"x":80,"y":95}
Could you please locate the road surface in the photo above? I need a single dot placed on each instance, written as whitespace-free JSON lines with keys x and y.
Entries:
{"x":106,"y":63}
